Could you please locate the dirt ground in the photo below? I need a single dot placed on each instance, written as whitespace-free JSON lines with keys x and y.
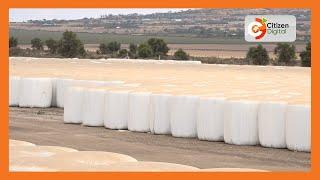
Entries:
{"x":46,"y":127}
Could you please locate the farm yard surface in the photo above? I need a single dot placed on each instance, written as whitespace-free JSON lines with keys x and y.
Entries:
{"x":233,"y":82}
{"x":46,"y":127}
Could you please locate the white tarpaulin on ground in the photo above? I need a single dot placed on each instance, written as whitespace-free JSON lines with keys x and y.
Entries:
{"x":35,"y":92}
{"x":241,"y":122}
{"x":61,"y":86}
{"x":139,"y":104}
{"x":183,"y":115}
{"x":159,"y":114}
{"x":298,"y":128}
{"x":14,"y":88}
{"x":116,"y":112}
{"x":93,"y":107}
{"x":210,"y":119}
{"x":272,"y":124}
{"x":73,"y":105}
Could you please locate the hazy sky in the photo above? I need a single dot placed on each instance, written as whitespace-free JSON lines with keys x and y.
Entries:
{"x":24,"y":14}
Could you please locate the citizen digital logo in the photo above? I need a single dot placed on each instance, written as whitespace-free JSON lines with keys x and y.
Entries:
{"x":270,"y":28}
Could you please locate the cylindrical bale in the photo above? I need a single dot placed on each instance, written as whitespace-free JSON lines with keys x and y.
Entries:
{"x":73,"y":105}
{"x":298,"y":128}
{"x":159,"y":114}
{"x":14,"y":88}
{"x":139,"y":104}
{"x":35,"y":92}
{"x":272,"y":124}
{"x":62,"y":85}
{"x":210,"y":119}
{"x":241,"y":122}
{"x":116,"y":112}
{"x":93,"y":107}
{"x":183,"y":115}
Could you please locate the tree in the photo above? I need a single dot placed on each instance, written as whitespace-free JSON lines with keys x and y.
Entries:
{"x":70,"y":45}
{"x":13,"y":42}
{"x":52,"y":45}
{"x":306,"y":56}
{"x":258,"y":55}
{"x":158,"y":46}
{"x":144,"y":51}
{"x":36,"y":43}
{"x":103,"y":48}
{"x":286,"y":53}
{"x":133,"y":50}
{"x":113,"y":46}
{"x":123,"y":53}
{"x":180,"y":55}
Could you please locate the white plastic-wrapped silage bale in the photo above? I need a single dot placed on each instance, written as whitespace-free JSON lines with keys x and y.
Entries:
{"x":61,"y":86}
{"x":93,"y":107}
{"x":14,"y":88}
{"x":116,"y":112}
{"x":35,"y":92}
{"x":271,"y":123}
{"x":183,"y":115}
{"x":159,"y":114}
{"x":139,"y":108}
{"x":210,"y":119}
{"x":298,"y":128}
{"x":73,"y":103}
{"x":241,"y":122}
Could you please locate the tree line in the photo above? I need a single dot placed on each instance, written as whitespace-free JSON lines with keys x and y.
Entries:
{"x":70,"y":46}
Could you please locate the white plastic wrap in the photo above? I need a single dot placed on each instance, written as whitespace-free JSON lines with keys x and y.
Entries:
{"x":14,"y":88}
{"x":298,"y":128}
{"x":271,"y":122}
{"x":61,"y":86}
{"x":183,"y":116}
{"x":159,"y":114}
{"x":93,"y":107}
{"x":35,"y":92}
{"x":241,"y":122}
{"x":73,"y":103}
{"x":54,"y":92}
{"x":139,"y":104}
{"x":116,"y":112}
{"x":210,"y":119}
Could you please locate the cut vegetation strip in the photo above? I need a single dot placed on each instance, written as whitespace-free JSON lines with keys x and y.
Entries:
{"x":183,"y":115}
{"x":241,"y":122}
{"x":35,"y":92}
{"x":298,"y":128}
{"x":272,"y":124}
{"x":210,"y":119}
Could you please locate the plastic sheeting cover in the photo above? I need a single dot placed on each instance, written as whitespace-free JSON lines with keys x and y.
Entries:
{"x":61,"y":86}
{"x":116,"y":110}
{"x":271,"y":122}
{"x":241,"y":122}
{"x":93,"y":107}
{"x":139,"y":104}
{"x":14,"y":88}
{"x":35,"y":92}
{"x":159,"y":114}
{"x":183,"y":116}
{"x":298,"y":128}
{"x":73,"y":105}
{"x":210,"y":119}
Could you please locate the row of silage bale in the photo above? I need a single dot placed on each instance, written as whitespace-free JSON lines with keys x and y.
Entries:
{"x":14,"y":89}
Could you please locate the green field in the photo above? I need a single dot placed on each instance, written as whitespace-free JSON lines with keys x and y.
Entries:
{"x":25,"y":36}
